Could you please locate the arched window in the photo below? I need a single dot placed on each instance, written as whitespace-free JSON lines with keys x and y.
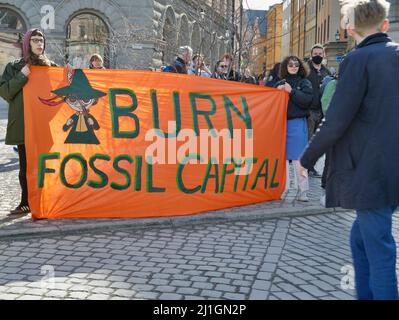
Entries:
{"x":12,"y":29}
{"x":169,"y":36}
{"x":196,"y":38}
{"x":86,"y":34}
{"x":184,"y":37}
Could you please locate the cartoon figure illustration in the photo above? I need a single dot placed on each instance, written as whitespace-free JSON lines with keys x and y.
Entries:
{"x":80,"y":96}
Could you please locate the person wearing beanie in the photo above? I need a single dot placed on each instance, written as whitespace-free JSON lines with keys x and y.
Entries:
{"x":12,"y":81}
{"x":96,"y":62}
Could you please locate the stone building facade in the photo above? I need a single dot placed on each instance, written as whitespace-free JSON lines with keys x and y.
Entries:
{"x":140,"y":34}
{"x":274,"y":35}
{"x":286,"y":29}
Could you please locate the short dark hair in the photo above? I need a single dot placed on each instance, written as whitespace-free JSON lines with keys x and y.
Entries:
{"x":215,"y":70}
{"x":316,"y":46}
{"x":37,"y":32}
{"x":275,"y":72}
{"x":302,"y":72}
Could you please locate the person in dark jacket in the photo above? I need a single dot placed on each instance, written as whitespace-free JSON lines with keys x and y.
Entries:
{"x":361,"y":134}
{"x":180,"y":64}
{"x":12,"y":81}
{"x":219,"y":71}
{"x":247,"y":77}
{"x":231,"y":74}
{"x":316,"y":76}
{"x":293,"y":73}
{"x":273,"y":77}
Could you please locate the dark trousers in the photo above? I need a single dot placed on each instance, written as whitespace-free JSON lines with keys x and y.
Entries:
{"x":374,"y":255}
{"x":22,"y":175}
{"x":314,"y":121}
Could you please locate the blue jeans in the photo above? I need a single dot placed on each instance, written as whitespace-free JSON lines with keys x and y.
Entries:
{"x":374,"y":255}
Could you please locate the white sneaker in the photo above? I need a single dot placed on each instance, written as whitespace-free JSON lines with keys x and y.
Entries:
{"x":302,"y":196}
{"x":323,"y":200}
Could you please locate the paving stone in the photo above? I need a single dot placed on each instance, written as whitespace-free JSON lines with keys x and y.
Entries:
{"x":258,"y":294}
{"x":170,"y":296}
{"x":202,"y":285}
{"x":97,"y":296}
{"x":165,"y":288}
{"x":124,"y":293}
{"x":211,"y":294}
{"x":187,"y":291}
{"x":179,"y":283}
{"x":313,"y":290}
{"x":220,"y":280}
{"x":147,"y":295}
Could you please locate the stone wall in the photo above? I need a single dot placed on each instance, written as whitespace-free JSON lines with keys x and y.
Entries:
{"x":150,"y":22}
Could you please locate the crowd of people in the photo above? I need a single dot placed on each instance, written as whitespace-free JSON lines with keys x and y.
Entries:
{"x":187,"y":63}
{"x":351,"y":116}
{"x":305,"y":84}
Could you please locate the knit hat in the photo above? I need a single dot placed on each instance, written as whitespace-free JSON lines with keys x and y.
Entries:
{"x":26,"y":43}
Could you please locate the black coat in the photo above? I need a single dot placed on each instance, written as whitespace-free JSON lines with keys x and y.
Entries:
{"x":272,"y":81}
{"x":361,"y":129}
{"x":316,"y":78}
{"x":177,"y":66}
{"x":300,"y":97}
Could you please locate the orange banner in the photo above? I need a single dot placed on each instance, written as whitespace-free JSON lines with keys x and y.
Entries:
{"x":121,"y":143}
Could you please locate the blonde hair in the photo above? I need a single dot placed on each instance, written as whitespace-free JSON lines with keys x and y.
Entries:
{"x":364,"y":14}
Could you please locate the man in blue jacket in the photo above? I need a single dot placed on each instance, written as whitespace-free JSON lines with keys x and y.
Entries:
{"x":361,"y":132}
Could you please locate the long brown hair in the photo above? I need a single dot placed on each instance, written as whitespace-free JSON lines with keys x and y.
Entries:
{"x":38,"y":60}
{"x":302,"y":72}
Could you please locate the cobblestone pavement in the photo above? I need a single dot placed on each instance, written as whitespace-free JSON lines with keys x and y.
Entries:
{"x":296,"y":253}
{"x":270,"y":259}
{"x":286,"y":258}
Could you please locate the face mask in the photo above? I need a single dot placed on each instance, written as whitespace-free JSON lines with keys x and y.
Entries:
{"x":317,"y":60}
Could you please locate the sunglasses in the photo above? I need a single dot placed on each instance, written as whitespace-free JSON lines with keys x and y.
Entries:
{"x":222,"y":66}
{"x":37,"y":40}
{"x":293,"y":65}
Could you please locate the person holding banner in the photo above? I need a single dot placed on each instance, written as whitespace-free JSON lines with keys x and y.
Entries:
{"x":12,"y":81}
{"x":294,"y":82}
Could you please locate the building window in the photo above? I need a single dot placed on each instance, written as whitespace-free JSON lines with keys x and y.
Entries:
{"x":12,"y":28}
{"x":86,"y":34}
{"x":169,"y":36}
{"x":328,"y":28}
{"x":394,"y":11}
